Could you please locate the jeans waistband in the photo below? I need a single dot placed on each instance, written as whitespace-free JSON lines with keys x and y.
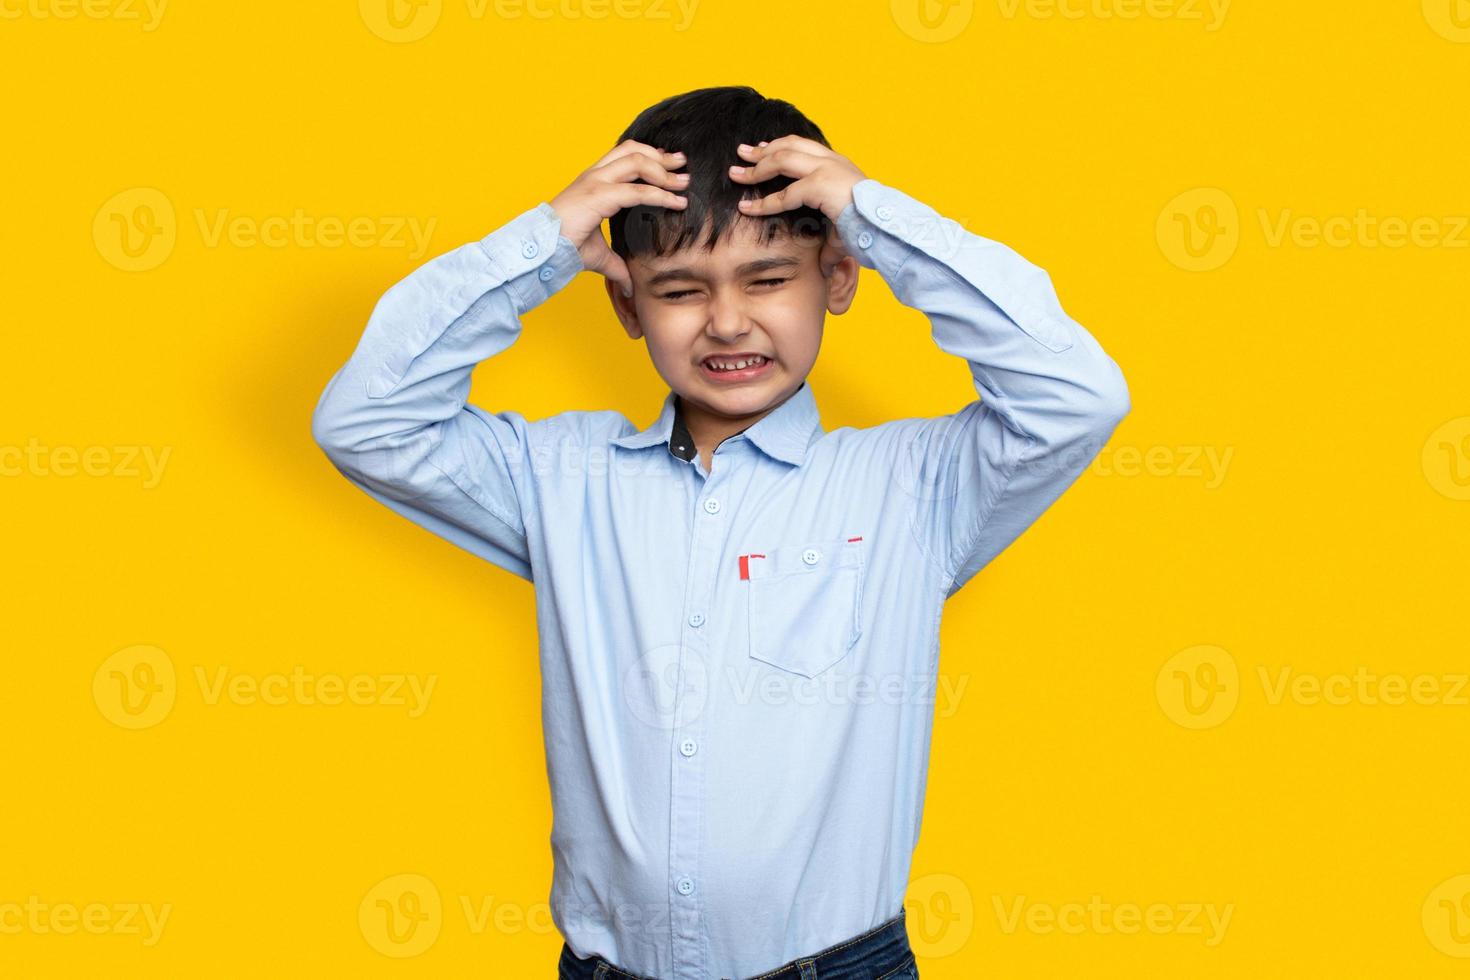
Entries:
{"x":880,"y":952}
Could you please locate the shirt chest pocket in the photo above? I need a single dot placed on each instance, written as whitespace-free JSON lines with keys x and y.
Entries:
{"x":805,"y":603}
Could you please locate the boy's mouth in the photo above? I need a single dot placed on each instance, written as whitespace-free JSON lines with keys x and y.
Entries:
{"x":735,"y":367}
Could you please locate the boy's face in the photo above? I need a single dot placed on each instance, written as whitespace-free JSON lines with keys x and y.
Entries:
{"x":702,"y":312}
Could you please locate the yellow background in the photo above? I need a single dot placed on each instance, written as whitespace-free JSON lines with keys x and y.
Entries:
{"x":1076,"y":763}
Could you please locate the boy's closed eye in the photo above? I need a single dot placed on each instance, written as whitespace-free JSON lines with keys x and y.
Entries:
{"x":766,"y":284}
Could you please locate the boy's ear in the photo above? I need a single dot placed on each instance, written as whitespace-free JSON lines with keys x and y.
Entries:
{"x":842,"y":283}
{"x":627,"y":313}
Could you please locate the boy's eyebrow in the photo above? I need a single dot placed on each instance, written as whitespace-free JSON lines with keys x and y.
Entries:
{"x":749,"y":268}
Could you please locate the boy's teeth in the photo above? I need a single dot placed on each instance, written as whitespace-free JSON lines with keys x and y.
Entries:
{"x":736,"y":365}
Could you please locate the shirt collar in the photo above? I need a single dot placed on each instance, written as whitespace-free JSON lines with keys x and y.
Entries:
{"x":784,"y":433}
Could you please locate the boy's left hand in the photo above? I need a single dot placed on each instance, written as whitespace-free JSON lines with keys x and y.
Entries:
{"x":824,"y":177}
{"x":824,"y":180}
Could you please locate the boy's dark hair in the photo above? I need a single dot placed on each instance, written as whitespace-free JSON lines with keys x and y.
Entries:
{"x":707,"y":124}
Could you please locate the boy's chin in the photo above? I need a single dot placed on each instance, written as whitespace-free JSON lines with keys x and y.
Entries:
{"x":736,"y":400}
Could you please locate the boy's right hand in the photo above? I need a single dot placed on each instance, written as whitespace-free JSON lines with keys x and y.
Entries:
{"x":608,"y":187}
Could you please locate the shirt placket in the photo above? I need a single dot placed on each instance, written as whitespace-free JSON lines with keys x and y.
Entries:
{"x":686,"y":799}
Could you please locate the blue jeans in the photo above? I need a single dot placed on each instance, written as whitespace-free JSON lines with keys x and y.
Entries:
{"x":881,"y":953}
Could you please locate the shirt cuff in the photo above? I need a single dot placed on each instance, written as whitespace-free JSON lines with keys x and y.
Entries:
{"x":873,"y":226}
{"x":533,"y":256}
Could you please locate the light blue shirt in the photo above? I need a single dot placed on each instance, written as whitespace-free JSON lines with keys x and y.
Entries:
{"x":738,"y":667}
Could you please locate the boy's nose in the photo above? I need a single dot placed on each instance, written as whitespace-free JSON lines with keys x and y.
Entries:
{"x":728,"y":319}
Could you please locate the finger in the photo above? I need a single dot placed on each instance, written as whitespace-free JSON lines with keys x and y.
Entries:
{"x":598,"y":257}
{"x":627,"y":147}
{"x":630,"y":195}
{"x":782,"y":163}
{"x":623,"y":149}
{"x":617,"y":270}
{"x":799,"y":143}
{"x":786,"y":199}
{"x":636,"y":166}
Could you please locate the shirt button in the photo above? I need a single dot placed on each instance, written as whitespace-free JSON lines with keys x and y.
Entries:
{"x":885,"y":213}
{"x":864,"y":240}
{"x":528,"y":249}
{"x":546,"y":273}
{"x":697,"y":619}
{"x":688,"y":746}
{"x":811,"y":556}
{"x":712,"y":506}
{"x":685,"y":885}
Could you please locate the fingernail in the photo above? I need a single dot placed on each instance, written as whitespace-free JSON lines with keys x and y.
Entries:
{"x":737,"y":170}
{"x":628,"y":291}
{"x":764,"y":142}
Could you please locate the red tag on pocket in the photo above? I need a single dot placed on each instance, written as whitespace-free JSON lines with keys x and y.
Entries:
{"x":745,"y":565}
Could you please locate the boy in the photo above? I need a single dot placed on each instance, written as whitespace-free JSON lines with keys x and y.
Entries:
{"x":728,"y":598}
